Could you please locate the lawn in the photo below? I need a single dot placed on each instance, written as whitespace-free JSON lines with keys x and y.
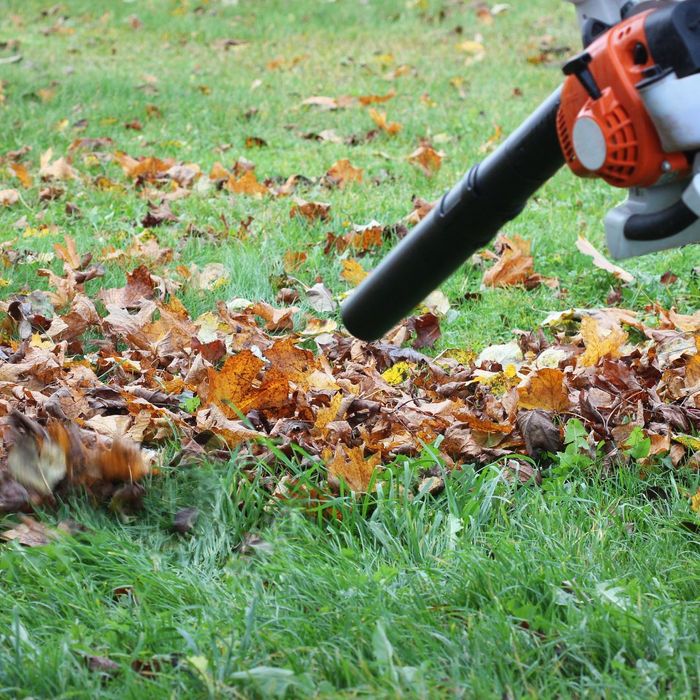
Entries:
{"x":584,"y":584}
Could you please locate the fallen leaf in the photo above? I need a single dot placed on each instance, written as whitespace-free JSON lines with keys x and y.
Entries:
{"x":352,"y":271}
{"x":600,"y":261}
{"x":8,"y":197}
{"x":22,"y":174}
{"x":600,"y":344}
{"x":540,"y":433}
{"x":349,"y":465}
{"x":342,"y":173}
{"x":246,"y":184}
{"x":330,"y":103}
{"x":427,"y":159}
{"x":59,"y":169}
{"x":184,"y":520}
{"x":544,"y":390}
{"x":310,"y":211}
{"x":379,"y":118}
{"x":30,"y":533}
{"x":320,"y":298}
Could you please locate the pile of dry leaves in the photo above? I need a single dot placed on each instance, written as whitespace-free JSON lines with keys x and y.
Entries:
{"x":91,"y":390}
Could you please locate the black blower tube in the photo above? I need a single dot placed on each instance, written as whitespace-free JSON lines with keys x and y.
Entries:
{"x":466,"y":219}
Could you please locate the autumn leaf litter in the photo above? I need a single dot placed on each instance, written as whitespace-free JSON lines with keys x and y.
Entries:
{"x":93,"y":389}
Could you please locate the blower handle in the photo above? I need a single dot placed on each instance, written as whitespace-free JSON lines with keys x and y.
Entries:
{"x":466,"y":219}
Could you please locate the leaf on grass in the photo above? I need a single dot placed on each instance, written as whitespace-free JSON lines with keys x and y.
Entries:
{"x":598,"y":343}
{"x":366,"y":100}
{"x":147,"y":169}
{"x":352,"y":272}
{"x":421,"y":209}
{"x":158,"y":214}
{"x":695,"y":503}
{"x":427,"y":159}
{"x":320,"y":298}
{"x":184,"y":520}
{"x":30,"y":533}
{"x":540,"y":433}
{"x":210,"y":277}
{"x":471,"y":47}
{"x":275,"y":319}
{"x":349,"y":465}
{"x":139,"y":286}
{"x":343,"y":172}
{"x":22,"y":174}
{"x":600,"y":261}
{"x":292,"y":260}
{"x":319,"y":326}
{"x":59,"y":169}
{"x":544,"y":390}
{"x":379,"y":118}
{"x":515,"y":266}
{"x":246,"y":184}
{"x":330,"y":103}
{"x":311,"y":211}
{"x":8,"y":197}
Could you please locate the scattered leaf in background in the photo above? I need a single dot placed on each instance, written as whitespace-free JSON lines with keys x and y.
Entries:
{"x":379,"y":118}
{"x":600,"y":261}
{"x":427,"y":159}
{"x":343,"y":172}
{"x":352,"y":271}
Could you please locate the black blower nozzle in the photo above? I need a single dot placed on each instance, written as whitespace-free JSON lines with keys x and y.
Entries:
{"x":466,"y":218}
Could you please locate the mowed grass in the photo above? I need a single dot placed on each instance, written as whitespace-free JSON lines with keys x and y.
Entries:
{"x":586,"y":586}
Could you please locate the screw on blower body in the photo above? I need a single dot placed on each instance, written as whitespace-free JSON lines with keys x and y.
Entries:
{"x":628,"y":113}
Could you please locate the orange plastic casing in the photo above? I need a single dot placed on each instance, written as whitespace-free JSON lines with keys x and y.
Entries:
{"x":635,"y":157}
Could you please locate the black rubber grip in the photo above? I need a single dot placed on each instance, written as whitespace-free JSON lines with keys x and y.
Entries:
{"x":660,"y":224}
{"x":467,"y":218}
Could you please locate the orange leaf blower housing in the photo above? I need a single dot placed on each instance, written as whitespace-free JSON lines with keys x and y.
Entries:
{"x":608,"y":133}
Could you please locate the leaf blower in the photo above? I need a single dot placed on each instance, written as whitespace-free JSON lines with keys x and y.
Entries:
{"x":628,"y":112}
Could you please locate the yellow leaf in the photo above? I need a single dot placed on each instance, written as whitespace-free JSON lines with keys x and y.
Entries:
{"x":328,"y":414}
{"x":695,"y":503}
{"x":353,"y":272}
{"x":598,"y":344}
{"x":398,"y":373}
{"x":473,"y":48}
{"x":689,"y":441}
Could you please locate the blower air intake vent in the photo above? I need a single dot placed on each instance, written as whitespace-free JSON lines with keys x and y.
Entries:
{"x":623,"y":147}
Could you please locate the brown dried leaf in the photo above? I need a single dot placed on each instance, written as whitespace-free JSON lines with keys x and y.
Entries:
{"x":311,"y":211}
{"x":60,"y":169}
{"x":544,"y":389}
{"x":330,"y":103}
{"x":275,"y":319}
{"x":426,"y":159}
{"x":30,"y":533}
{"x":600,"y":261}
{"x":246,"y":184}
{"x":22,"y":174}
{"x":379,"y":118}
{"x":139,"y":286}
{"x":349,"y":465}
{"x":343,"y":172}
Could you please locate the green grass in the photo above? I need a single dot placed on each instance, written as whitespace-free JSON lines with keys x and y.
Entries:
{"x":585,"y":587}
